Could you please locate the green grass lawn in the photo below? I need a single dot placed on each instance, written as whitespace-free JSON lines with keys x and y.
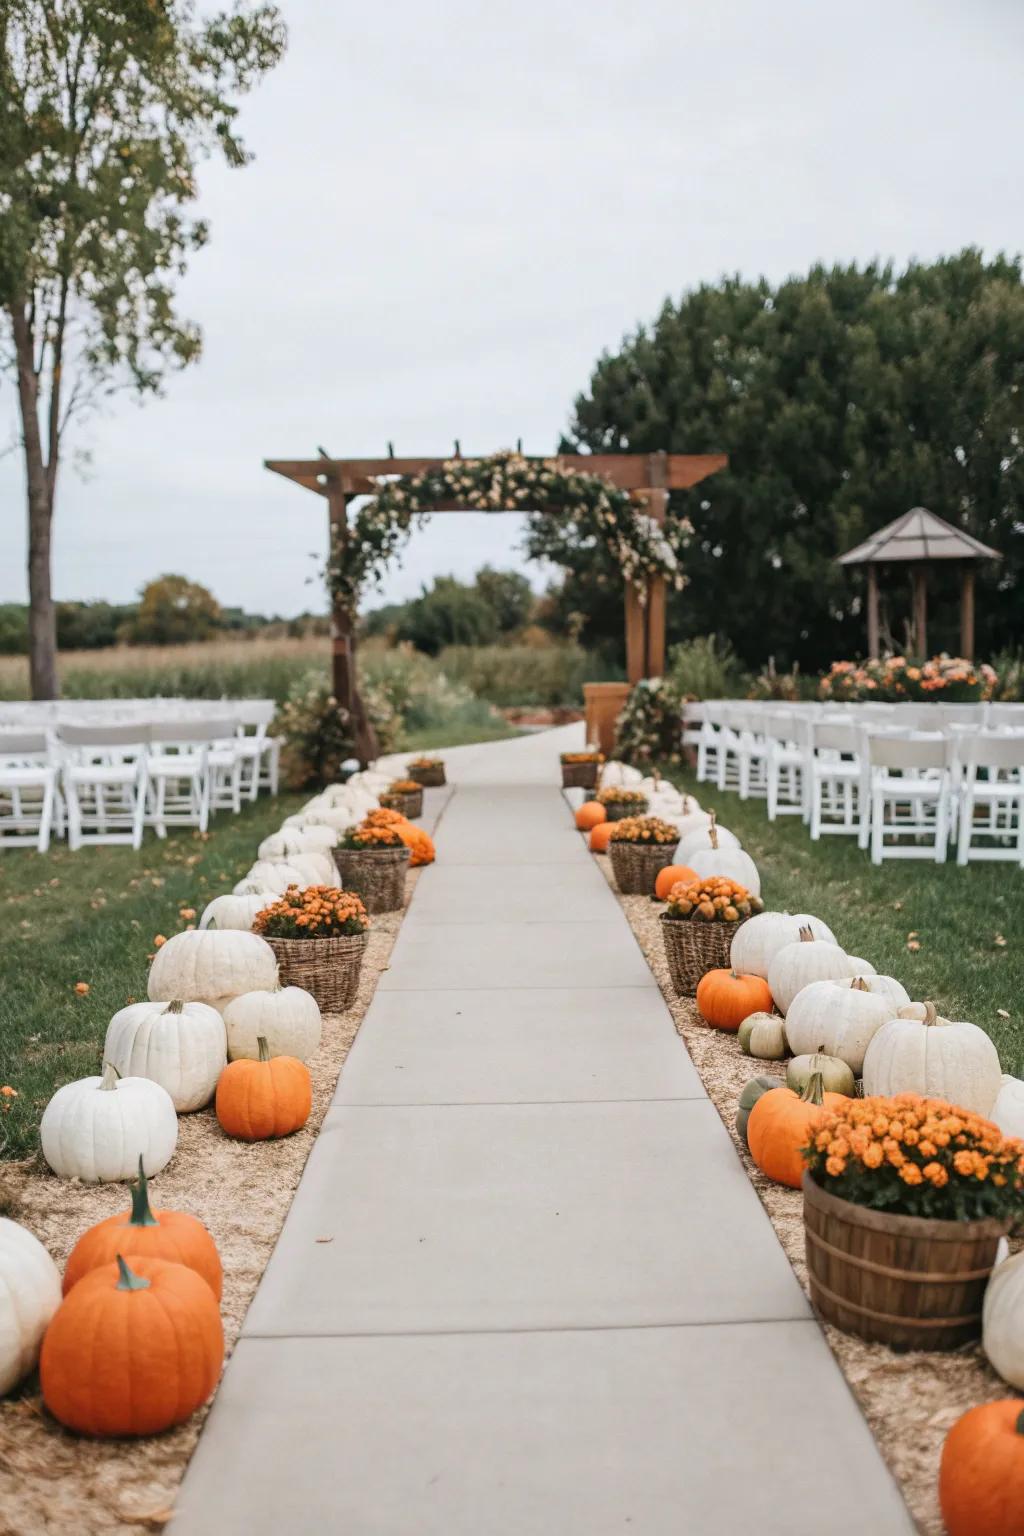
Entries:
{"x":456,"y":735}
{"x":968,"y":923}
{"x":92,"y":917}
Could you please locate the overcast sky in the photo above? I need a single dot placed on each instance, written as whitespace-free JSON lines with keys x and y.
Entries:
{"x":455,"y":207}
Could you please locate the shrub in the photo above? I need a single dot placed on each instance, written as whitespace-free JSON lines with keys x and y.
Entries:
{"x":705,"y":668}
{"x":318,"y":734}
{"x":649,"y":730}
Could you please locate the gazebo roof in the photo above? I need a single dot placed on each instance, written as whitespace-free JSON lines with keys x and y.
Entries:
{"x":918,"y":535}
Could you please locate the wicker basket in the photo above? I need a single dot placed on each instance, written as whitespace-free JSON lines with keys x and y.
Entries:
{"x":618,"y":812}
{"x":904,"y":1281}
{"x":430,"y":778}
{"x":580,"y":775}
{"x":693,"y":948}
{"x":375,"y":874}
{"x":328,"y":968}
{"x":636,"y":865}
{"x":408,"y":803}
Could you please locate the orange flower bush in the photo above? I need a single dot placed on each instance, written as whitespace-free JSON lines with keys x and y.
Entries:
{"x":620,"y":796}
{"x":715,"y":900}
{"x":918,"y":1157}
{"x":643,"y":829}
{"x":404,"y":787}
{"x":419,"y":843}
{"x":425,"y":762}
{"x":582,"y":757}
{"x":371,"y":835}
{"x":313,"y":912}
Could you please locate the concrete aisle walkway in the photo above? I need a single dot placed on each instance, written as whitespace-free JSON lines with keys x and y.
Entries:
{"x":526,"y":1288}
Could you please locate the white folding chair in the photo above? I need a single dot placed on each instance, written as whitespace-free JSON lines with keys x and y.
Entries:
{"x":104,"y":777}
{"x":179,"y":773}
{"x":261,"y":754}
{"x":1000,"y":797}
{"x":838,"y":781}
{"x":226,"y":758}
{"x":752,"y":755}
{"x":28,"y":789}
{"x":910,"y":793}
{"x":692,"y":726}
{"x":786,"y":764}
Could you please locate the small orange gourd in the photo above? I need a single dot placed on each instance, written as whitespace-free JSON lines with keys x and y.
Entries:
{"x":782,"y":1122}
{"x":132,"y":1351}
{"x":144,"y":1233}
{"x":981,"y":1474}
{"x":725,"y":998}
{"x":671,"y":875}
{"x":271,"y":1096}
{"x":590,"y":815}
{"x":600,"y":836}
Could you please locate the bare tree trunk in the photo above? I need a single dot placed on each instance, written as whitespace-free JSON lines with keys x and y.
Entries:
{"x":42,"y":618}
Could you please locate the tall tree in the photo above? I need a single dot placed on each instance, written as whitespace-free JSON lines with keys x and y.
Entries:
{"x":106,"y":107}
{"x":843,"y":398}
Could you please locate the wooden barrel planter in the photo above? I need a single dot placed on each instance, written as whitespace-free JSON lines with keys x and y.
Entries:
{"x":375,"y":874}
{"x":636,"y":865}
{"x":431,"y":775}
{"x":407,"y":803}
{"x":580,"y":775}
{"x":692,"y":948}
{"x":328,"y":968}
{"x":904,"y":1281}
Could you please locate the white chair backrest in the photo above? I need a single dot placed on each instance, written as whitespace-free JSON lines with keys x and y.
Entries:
{"x":836,"y":736}
{"x":988,"y":749}
{"x":892,"y":751}
{"x":189,"y":732}
{"x":20,"y":745}
{"x":100,"y":737}
{"x":254,"y":711}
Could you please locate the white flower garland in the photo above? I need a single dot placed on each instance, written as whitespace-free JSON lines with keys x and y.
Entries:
{"x":506,"y":482}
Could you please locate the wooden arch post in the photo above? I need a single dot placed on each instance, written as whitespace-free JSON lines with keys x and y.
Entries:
{"x":344,"y":679}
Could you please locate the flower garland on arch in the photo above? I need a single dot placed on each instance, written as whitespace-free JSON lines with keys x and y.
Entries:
{"x":505,"y":482}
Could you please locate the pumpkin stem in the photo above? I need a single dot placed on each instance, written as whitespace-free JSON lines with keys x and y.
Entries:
{"x":858,"y":984}
{"x":931,"y":1014}
{"x":713,"y":831}
{"x":142,"y":1214}
{"x":174,"y":1007}
{"x":111,"y":1077}
{"x":129,"y":1281}
{"x":263,"y":1048}
{"x":807,"y":934}
{"x":814,"y":1093}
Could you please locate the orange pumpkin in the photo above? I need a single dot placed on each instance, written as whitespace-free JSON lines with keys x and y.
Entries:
{"x":782,"y":1122}
{"x":981,"y":1474}
{"x":590,"y":815}
{"x":670,"y":876}
{"x":600,"y":836}
{"x":145,"y":1233}
{"x":725,"y":998}
{"x":132,"y":1352}
{"x":268,"y":1097}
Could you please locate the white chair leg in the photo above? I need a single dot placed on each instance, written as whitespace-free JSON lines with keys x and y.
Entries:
{"x":45,"y":818}
{"x":877,"y":824}
{"x":963,"y":841}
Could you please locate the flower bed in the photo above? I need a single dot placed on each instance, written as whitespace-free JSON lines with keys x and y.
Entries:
{"x":897,"y":680}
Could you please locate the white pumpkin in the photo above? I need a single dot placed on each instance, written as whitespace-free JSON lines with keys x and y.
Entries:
{"x":287,"y":1018}
{"x":1008,"y":1109}
{"x":337,"y":820}
{"x":293,"y":840}
{"x":795,"y":966}
{"x":209,"y":964}
{"x":690,"y":821}
{"x":277,"y":876}
{"x":728,"y":863}
{"x":1002,"y":1320}
{"x":317,"y":866}
{"x":861,"y":967}
{"x":97,"y":1128}
{"x":700,"y":839}
{"x":888,"y":987}
{"x":234,"y":911}
{"x":616,"y":775}
{"x":919,"y":1052}
{"x":837,"y":1017}
{"x":249,"y":887}
{"x":30,"y":1293}
{"x":759,"y":940}
{"x":313,"y":837}
{"x":181,"y":1046}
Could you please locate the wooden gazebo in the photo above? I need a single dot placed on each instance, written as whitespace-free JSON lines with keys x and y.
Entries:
{"x":651,"y":476}
{"x":919,"y":539}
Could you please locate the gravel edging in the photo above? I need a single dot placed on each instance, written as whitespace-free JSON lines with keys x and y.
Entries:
{"x":53,"y":1481}
{"x":910,"y":1401}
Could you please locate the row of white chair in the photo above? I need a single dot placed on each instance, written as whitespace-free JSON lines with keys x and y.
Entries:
{"x":105,"y":783}
{"x":903,"y":793}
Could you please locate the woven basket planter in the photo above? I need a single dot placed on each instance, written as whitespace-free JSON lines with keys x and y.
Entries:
{"x":408,"y":804}
{"x":328,"y":968}
{"x":636,"y":865}
{"x":693,"y":948}
{"x":615,"y":812}
{"x":375,"y":874}
{"x":430,"y":778}
{"x":580,"y":775}
{"x":905,"y":1281}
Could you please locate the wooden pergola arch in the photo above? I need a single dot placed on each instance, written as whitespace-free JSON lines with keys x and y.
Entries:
{"x":650,"y":476}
